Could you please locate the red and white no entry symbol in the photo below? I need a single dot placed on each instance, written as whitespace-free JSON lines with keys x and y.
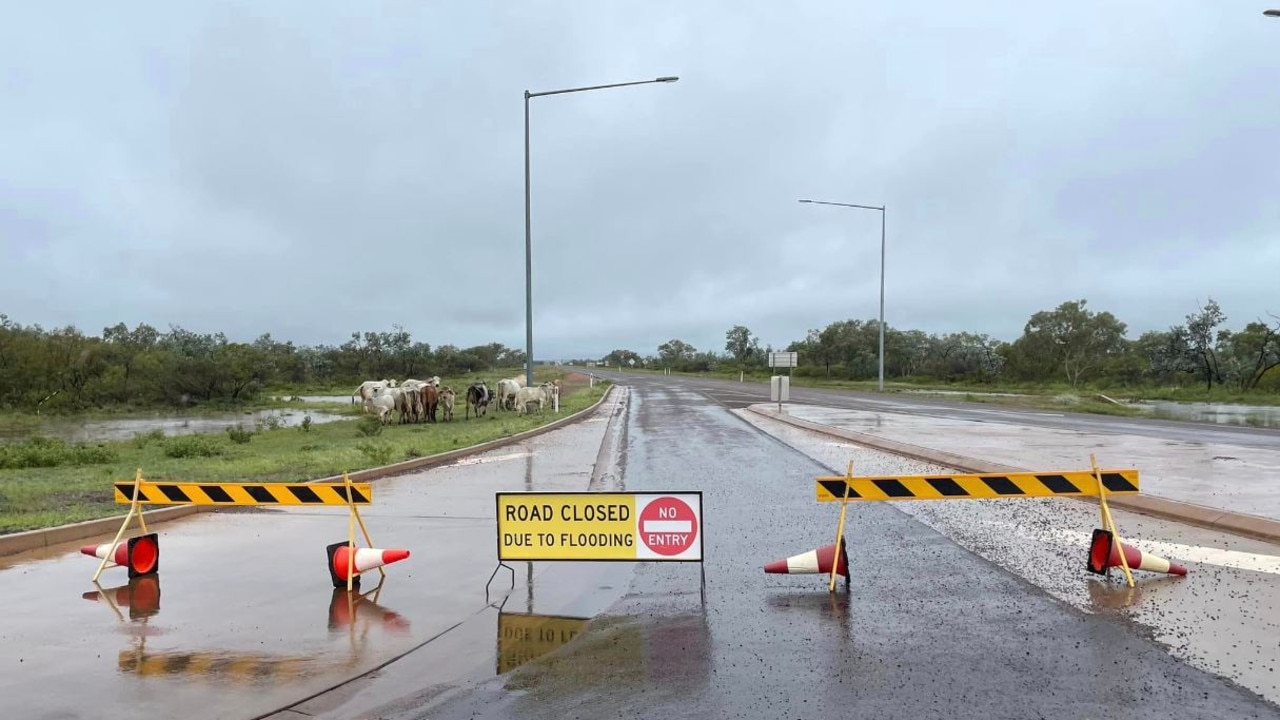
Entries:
{"x":668,"y":526}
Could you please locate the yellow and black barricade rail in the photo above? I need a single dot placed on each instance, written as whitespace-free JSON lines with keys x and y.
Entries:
{"x":1080,"y":483}
{"x":188,"y":493}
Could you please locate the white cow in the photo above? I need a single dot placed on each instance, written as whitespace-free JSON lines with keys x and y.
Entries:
{"x":544,"y":394}
{"x":506,"y":392}
{"x":365,"y":391}
{"x":383,"y":401}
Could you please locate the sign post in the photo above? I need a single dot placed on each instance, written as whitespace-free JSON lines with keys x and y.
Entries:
{"x":780,"y":385}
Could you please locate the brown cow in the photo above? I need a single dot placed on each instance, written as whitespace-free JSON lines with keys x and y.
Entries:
{"x":430,"y":402}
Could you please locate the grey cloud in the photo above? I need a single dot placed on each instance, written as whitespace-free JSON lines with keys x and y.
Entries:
{"x":312,"y":169}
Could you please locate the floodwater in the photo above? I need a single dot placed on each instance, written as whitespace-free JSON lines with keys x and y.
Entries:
{"x":125,"y":428}
{"x":1267,"y":416}
{"x":1253,"y":415}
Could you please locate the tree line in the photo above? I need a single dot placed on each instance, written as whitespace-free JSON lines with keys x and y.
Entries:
{"x":1070,"y":344}
{"x":64,"y":368}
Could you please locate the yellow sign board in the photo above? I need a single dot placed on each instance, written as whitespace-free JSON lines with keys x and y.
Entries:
{"x":522,"y":638}
{"x":966,"y":487}
{"x":188,"y":493}
{"x":600,"y":526}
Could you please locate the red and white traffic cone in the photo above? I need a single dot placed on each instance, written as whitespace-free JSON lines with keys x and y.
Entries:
{"x":812,"y":562}
{"x":1104,"y":553}
{"x":365,"y":559}
{"x":141,"y":555}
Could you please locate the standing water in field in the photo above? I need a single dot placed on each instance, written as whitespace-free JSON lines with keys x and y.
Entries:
{"x":123,"y":428}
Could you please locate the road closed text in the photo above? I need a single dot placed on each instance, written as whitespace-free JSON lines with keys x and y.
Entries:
{"x":599,"y":526}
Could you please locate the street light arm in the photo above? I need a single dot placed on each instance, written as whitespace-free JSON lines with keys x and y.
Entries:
{"x":528,"y":231}
{"x":665,"y":79}
{"x":883,"y":215}
{"x":864,"y":207}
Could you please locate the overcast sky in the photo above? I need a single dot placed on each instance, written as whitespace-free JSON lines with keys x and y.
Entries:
{"x":311,"y":169}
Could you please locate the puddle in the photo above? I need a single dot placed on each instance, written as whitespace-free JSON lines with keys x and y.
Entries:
{"x":1265,"y":416}
{"x":125,"y":428}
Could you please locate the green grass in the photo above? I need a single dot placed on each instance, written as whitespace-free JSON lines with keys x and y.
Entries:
{"x":38,"y":497}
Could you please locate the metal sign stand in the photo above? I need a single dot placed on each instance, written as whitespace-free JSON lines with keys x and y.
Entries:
{"x":135,"y":508}
{"x":844,"y":506}
{"x":1107,"y":523}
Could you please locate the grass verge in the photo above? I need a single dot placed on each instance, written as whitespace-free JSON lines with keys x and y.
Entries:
{"x":40,"y":497}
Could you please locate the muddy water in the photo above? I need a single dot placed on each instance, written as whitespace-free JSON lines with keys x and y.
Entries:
{"x":125,"y":428}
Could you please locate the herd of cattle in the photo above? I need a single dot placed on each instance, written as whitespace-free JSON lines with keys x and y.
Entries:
{"x":422,"y":400}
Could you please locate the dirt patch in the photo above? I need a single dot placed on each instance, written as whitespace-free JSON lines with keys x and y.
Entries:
{"x":573,"y":381}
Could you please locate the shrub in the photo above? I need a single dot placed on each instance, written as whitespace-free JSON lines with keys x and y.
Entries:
{"x":378,"y":453}
{"x":141,"y":440}
{"x":52,"y":452}
{"x":270,"y":422}
{"x":192,"y":446}
{"x":239,"y":435}
{"x":412,"y":453}
{"x":306,"y":424}
{"x":370,"y":427}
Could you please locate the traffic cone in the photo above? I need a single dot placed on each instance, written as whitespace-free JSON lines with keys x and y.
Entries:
{"x":814,"y":561}
{"x":141,"y":596}
{"x":1104,"y":554}
{"x":365,"y":559}
{"x":141,"y":554}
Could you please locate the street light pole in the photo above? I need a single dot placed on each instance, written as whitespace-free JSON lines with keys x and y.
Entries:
{"x":528,"y":227}
{"x":882,"y":248}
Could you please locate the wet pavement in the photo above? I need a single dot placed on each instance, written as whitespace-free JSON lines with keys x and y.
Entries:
{"x":959,"y":609}
{"x":1240,"y":478}
{"x":928,"y":628}
{"x":734,"y":394}
{"x":243,"y":619}
{"x":1223,"y":617}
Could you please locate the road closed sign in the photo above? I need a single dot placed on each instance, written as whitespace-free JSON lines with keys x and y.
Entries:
{"x":600,"y":526}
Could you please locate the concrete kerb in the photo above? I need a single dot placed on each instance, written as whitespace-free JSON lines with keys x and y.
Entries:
{"x":1214,"y":518}
{"x":46,"y":537}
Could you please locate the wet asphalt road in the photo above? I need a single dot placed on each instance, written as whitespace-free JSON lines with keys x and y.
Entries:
{"x":247,"y":626}
{"x":733,"y":394}
{"x":927,"y":629}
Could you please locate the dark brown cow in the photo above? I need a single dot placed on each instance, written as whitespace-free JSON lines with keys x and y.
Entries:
{"x":430,"y":402}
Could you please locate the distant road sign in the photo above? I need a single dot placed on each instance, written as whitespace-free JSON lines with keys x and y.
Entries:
{"x":784,"y":359}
